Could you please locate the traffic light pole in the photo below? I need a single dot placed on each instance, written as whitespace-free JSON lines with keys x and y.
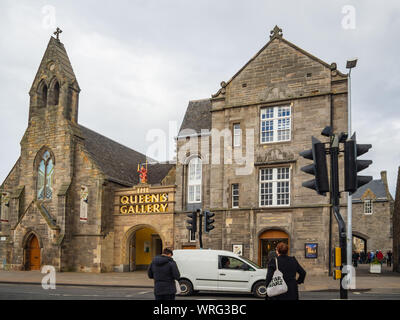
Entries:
{"x":200,"y":228}
{"x":334,"y":152}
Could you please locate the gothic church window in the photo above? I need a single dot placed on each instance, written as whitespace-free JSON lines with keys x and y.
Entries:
{"x":84,"y":204}
{"x":42,"y":94}
{"x":45,"y":177}
{"x":4,"y":206}
{"x":56,"y":93}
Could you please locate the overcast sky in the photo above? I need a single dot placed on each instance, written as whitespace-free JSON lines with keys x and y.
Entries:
{"x":138,"y":63}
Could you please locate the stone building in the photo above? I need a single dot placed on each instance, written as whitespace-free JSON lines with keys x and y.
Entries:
{"x":74,"y":199}
{"x":57,"y":203}
{"x":372,"y":217}
{"x":268,"y":111}
{"x":396,"y":227}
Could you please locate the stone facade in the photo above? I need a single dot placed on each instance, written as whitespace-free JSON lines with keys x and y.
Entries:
{"x":280,"y":74}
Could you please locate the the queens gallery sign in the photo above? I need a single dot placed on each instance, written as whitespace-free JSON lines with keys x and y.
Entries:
{"x":144,"y":200}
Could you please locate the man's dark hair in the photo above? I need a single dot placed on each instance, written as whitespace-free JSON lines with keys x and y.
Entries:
{"x":167,"y":251}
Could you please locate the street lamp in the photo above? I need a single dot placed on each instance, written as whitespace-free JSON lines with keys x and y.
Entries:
{"x":351,"y":63}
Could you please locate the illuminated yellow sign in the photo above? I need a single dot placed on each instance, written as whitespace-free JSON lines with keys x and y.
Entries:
{"x":143,"y":203}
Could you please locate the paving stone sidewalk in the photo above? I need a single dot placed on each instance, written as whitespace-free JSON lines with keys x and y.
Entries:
{"x":387,"y":280}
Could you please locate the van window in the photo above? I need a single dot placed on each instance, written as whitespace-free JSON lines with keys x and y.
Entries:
{"x":231,"y":263}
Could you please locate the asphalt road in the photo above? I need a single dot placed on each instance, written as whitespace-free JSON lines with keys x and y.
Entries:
{"x":36,"y":292}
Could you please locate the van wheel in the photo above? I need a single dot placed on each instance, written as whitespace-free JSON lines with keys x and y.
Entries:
{"x":260,"y":290}
{"x":186,"y":287}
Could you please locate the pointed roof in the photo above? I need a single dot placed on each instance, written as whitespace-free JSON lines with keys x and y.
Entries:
{"x":276,"y":33}
{"x":377,"y":187}
{"x":56,"y":53}
{"x":197,"y":116}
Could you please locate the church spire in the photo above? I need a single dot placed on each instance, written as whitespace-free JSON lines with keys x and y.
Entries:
{"x":55,"y":83}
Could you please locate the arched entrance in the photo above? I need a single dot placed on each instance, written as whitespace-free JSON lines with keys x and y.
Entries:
{"x":33,"y":253}
{"x":268,"y":241}
{"x":360,"y":246}
{"x":143,"y":245}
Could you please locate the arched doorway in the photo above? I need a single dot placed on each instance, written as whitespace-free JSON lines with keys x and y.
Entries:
{"x":33,"y":253}
{"x":144,"y":244}
{"x":360,"y":246}
{"x":268,"y":241}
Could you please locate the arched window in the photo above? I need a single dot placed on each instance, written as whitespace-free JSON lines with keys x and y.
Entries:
{"x":45,"y":177}
{"x":194,"y":180}
{"x":56,"y":93}
{"x":43,"y":95}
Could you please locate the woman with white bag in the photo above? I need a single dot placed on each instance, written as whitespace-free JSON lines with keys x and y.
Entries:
{"x":283,"y":267}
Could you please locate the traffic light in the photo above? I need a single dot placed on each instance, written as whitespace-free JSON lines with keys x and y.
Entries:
{"x":208,"y":221}
{"x":351,"y":165}
{"x":318,"y":168}
{"x":192,"y":222}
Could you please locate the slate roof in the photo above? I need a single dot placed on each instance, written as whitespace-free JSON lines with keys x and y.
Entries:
{"x":197,"y":116}
{"x":376,"y":186}
{"x":119,"y":163}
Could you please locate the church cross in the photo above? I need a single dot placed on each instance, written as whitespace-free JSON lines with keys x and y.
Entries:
{"x":57,"y":33}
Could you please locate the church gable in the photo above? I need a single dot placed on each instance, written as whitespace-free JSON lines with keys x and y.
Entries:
{"x":280,"y":70}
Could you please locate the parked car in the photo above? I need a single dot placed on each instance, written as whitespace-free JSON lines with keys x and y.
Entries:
{"x":218,"y":270}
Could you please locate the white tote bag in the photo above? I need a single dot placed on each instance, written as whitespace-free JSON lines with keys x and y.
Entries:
{"x":178,"y":287}
{"x":277,"y":285}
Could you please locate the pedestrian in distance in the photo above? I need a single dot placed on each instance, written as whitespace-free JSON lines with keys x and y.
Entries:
{"x":389,"y":258}
{"x":164,"y":271}
{"x":379,"y":256}
{"x":355,"y":259}
{"x":289,"y":267}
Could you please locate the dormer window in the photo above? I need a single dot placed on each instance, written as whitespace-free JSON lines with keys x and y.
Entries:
{"x":368,"y":209}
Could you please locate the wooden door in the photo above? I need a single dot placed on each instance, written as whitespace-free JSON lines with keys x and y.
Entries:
{"x":34,"y":254}
{"x":268,"y":242}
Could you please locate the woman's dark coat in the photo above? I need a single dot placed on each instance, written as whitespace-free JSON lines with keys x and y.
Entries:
{"x":289,"y":267}
{"x":164,"y":271}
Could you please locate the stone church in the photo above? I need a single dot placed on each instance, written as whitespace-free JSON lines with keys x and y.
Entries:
{"x":57,"y":203}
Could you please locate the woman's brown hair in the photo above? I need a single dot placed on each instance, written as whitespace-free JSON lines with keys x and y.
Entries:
{"x":282,"y":248}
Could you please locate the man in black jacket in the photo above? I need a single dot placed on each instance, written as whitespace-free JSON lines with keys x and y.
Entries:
{"x":164,"y":271}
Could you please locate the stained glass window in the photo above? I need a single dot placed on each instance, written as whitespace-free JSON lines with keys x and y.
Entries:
{"x":45,"y":177}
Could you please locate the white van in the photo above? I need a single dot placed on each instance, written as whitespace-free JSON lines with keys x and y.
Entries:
{"x":218,"y":270}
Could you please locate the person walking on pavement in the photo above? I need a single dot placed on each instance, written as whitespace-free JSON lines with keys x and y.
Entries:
{"x":164,"y":271}
{"x":355,"y":259}
{"x":289,"y":267}
{"x":389,"y":258}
